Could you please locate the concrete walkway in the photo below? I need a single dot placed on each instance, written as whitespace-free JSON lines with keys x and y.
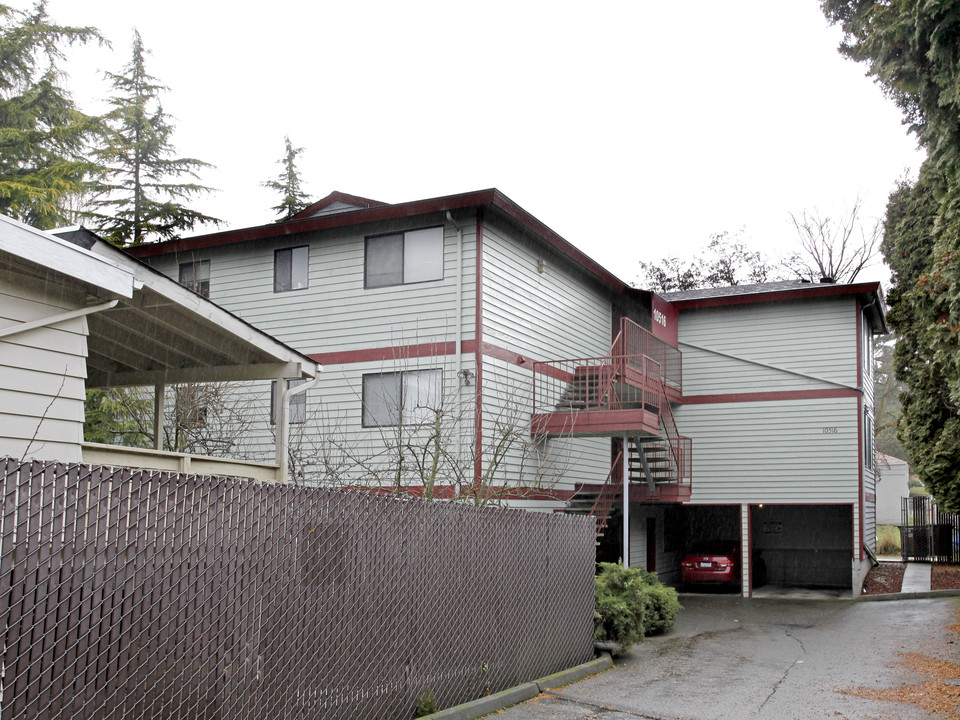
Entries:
{"x":917,"y":577}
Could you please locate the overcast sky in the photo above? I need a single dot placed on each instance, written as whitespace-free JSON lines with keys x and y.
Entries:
{"x":631,"y":128}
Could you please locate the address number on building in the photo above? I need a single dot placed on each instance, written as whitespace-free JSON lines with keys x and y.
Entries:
{"x":831,"y":430}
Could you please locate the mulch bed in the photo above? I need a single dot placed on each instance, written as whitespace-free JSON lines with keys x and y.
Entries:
{"x":887,"y":577}
{"x":945,"y":577}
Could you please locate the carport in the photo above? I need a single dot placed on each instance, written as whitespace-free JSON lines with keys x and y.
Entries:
{"x":788,"y":546}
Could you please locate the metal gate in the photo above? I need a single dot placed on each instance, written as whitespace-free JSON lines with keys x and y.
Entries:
{"x":926,"y":533}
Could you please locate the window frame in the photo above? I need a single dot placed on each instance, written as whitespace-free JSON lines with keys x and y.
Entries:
{"x":298,"y":403}
{"x":277,"y":287}
{"x":403,"y":255}
{"x":397,"y":419}
{"x":868,"y":440}
{"x":202,"y":286}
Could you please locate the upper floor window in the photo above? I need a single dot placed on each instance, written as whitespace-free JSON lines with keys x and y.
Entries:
{"x":402,"y":258}
{"x":196,"y":276}
{"x":866,"y":346}
{"x":298,"y":403}
{"x":410,"y":397}
{"x":290,"y":267}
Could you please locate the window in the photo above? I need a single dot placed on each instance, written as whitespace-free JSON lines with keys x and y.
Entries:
{"x":290,"y":267}
{"x":190,"y":406}
{"x":868,"y":462}
{"x":196,"y":277}
{"x":866,"y":347}
{"x":298,"y":403}
{"x":402,"y":258}
{"x":401,"y":398}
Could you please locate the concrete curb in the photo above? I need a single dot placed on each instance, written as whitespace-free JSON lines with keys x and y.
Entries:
{"x":519,"y":693}
{"x":909,"y":595}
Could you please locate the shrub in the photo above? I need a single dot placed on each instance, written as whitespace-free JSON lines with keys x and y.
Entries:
{"x":426,"y":703}
{"x":631,"y":603}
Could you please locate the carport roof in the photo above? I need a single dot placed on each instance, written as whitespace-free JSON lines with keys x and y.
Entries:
{"x":157,"y":332}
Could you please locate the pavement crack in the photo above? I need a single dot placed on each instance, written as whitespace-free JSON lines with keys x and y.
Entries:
{"x":601,"y":707}
{"x":776,"y":685}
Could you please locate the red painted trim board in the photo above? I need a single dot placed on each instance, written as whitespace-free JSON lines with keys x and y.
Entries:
{"x":769,"y":396}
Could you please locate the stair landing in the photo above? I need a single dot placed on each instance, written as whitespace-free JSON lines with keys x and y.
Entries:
{"x":595,"y":423}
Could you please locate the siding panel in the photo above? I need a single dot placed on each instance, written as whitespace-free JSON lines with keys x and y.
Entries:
{"x":773,"y":452}
{"x":42,"y":375}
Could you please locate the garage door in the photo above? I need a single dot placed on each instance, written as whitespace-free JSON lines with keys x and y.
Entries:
{"x":802,"y":545}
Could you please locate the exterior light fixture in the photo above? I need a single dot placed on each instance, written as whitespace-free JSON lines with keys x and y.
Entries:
{"x":465,"y":375}
{"x":542,"y":266}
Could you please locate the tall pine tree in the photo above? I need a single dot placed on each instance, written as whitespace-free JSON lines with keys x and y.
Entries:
{"x":287,"y":183}
{"x":44,"y":138}
{"x":137,"y":198}
{"x":912,"y":49}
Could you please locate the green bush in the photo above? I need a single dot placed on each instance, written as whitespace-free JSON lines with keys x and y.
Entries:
{"x":631,"y":603}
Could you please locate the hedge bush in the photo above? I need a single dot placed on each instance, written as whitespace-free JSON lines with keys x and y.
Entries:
{"x":631,"y":603}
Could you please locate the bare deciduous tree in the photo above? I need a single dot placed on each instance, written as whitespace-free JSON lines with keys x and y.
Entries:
{"x":433,"y":456}
{"x":834,"y":248}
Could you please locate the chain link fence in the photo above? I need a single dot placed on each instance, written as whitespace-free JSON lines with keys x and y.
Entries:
{"x":137,"y":594}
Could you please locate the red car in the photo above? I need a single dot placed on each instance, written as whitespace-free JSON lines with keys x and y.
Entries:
{"x":714,"y":565}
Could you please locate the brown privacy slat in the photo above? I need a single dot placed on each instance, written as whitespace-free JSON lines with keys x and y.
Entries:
{"x":136,"y":595}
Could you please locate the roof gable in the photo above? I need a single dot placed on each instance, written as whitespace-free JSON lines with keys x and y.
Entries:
{"x":336,"y":202}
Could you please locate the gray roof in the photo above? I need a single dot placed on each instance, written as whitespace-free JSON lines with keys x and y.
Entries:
{"x":735,"y":290}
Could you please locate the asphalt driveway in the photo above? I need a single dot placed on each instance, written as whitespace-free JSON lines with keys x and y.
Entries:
{"x":733,"y":658}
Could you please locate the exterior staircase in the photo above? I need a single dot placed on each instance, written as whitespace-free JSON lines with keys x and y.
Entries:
{"x":624,"y":394}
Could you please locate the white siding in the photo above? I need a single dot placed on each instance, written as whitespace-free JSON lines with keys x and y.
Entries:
{"x":336,"y":312}
{"x":554,"y":315}
{"x":773,"y":452}
{"x":759,"y":347}
{"x":42,"y":375}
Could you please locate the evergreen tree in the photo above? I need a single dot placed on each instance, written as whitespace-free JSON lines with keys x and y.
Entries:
{"x":43,"y":136}
{"x":134,"y":200}
{"x":287,"y":183}
{"x":912,"y":49}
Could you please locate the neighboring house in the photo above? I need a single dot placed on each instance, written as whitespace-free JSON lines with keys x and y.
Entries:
{"x":79,"y":314}
{"x":538,"y":367}
{"x":893,"y":484}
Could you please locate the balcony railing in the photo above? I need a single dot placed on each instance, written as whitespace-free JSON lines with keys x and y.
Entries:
{"x":636,"y":341}
{"x":600,"y":395}
{"x":120,"y":456}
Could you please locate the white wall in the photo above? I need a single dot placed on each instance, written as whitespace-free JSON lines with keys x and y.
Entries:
{"x":42,"y":374}
{"x":336,"y":312}
{"x":795,"y":345}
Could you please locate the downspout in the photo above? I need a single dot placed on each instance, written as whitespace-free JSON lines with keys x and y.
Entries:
{"x":54,"y":319}
{"x":478,"y":357}
{"x":283,"y":423}
{"x":458,"y":336}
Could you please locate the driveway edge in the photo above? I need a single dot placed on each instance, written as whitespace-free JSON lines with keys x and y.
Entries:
{"x":909,"y":595}
{"x":519,"y":693}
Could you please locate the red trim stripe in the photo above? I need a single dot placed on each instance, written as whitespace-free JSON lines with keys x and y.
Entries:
{"x":770,"y":396}
{"x":813,"y":290}
{"x":396,"y":352}
{"x":860,"y":428}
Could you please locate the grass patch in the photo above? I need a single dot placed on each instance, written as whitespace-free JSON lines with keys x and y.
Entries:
{"x":888,"y":540}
